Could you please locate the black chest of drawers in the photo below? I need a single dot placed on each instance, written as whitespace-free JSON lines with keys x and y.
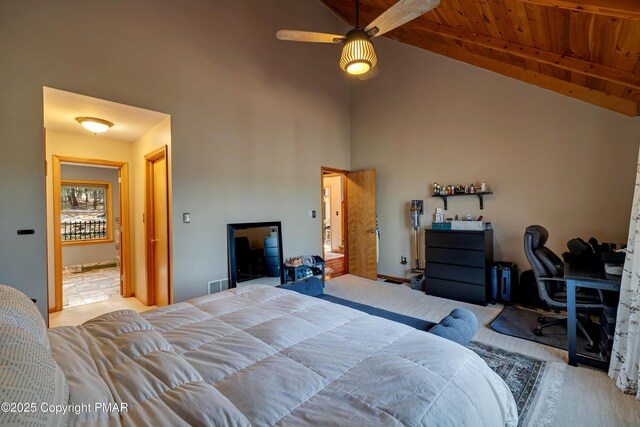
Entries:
{"x":458,"y":264}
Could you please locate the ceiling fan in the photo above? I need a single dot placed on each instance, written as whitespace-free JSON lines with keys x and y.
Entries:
{"x":358,"y":57}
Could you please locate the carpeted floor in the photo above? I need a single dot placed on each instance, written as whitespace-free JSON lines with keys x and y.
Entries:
{"x":567,"y":396}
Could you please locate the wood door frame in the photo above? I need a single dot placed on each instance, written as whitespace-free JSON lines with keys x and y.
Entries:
{"x":324,"y":173}
{"x":123,"y":195}
{"x":149,"y":159}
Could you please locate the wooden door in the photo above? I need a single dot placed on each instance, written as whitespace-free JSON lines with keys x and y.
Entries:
{"x":157,"y":218}
{"x":361,"y":224}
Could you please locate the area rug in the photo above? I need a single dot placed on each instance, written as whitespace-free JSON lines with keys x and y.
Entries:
{"x":534,"y":383}
{"x":520,"y":323}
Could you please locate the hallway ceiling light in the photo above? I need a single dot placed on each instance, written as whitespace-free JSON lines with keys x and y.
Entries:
{"x":93,"y":124}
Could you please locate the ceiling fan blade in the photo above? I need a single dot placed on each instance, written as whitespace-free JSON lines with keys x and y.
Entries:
{"x":308,"y":36}
{"x":398,"y":14}
{"x":370,"y":74}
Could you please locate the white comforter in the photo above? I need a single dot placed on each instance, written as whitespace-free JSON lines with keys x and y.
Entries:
{"x":263,"y":356}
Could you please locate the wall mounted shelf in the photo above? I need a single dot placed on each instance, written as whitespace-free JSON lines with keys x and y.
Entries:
{"x":480,"y":196}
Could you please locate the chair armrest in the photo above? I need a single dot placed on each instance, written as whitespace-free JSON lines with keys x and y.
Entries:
{"x":552,"y":279}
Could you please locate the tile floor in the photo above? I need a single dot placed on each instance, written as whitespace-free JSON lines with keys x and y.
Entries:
{"x":71,"y":316}
{"x":91,"y":286}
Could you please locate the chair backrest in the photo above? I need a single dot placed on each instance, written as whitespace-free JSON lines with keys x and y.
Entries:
{"x":543,"y":261}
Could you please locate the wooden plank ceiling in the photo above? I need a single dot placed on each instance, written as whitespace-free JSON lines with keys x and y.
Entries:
{"x":585,"y":49}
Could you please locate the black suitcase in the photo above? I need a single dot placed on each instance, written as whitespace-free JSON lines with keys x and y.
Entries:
{"x":504,"y":282}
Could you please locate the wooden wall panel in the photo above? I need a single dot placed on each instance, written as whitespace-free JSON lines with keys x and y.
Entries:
{"x":580,"y":34}
{"x":519,"y":19}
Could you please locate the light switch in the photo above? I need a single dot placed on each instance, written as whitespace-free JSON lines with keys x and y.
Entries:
{"x":186,"y":217}
{"x":312,"y":214}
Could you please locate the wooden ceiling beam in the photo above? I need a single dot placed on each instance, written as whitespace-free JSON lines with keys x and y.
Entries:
{"x":431,"y":36}
{"x":626,"y":9}
{"x":581,"y":66}
{"x":591,"y":69}
{"x":601,"y":99}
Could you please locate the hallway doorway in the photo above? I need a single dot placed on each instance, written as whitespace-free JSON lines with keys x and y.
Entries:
{"x":95,"y":187}
{"x":333,"y":221}
{"x":90,"y":230}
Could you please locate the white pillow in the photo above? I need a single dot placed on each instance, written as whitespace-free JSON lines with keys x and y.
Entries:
{"x":28,"y":374}
{"x":17,"y":309}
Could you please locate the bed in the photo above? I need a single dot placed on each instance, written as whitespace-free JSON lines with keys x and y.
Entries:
{"x":255,"y":355}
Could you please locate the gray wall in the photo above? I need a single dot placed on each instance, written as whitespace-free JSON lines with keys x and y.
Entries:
{"x":252,"y":118}
{"x":98,"y":252}
{"x":550,"y":159}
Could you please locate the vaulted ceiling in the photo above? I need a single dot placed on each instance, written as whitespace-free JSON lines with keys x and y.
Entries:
{"x":585,"y":49}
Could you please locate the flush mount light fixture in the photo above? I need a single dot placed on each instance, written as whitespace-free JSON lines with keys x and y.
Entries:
{"x":358,"y":55}
{"x":93,"y":124}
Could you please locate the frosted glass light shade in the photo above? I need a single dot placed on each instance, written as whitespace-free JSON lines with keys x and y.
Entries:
{"x":93,"y":124}
{"x":358,"y":55}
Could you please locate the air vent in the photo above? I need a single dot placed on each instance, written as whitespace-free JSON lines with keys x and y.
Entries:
{"x":218,"y":285}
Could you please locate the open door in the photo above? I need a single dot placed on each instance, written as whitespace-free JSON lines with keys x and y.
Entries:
{"x":361,"y":224}
{"x":157,"y":229}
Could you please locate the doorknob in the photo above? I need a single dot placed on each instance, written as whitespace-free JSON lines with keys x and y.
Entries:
{"x":154,"y":240}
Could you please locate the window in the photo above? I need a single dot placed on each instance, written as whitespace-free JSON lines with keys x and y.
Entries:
{"x":85,"y":212}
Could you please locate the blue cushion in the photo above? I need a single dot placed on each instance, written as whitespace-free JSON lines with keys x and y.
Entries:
{"x":459,"y":326}
{"x":311,"y":286}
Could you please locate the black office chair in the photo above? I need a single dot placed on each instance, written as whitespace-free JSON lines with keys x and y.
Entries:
{"x":548,"y":270}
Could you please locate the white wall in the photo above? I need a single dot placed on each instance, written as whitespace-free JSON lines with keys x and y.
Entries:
{"x":86,"y":253}
{"x":550,"y":159}
{"x":252,"y":118}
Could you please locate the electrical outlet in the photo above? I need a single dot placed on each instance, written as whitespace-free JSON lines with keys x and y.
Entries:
{"x":403,"y":260}
{"x":186,"y":217}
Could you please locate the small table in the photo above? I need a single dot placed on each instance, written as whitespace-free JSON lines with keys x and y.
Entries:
{"x":300,"y":272}
{"x":595,"y":278}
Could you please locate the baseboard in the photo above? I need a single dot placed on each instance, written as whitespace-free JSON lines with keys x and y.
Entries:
{"x":397,"y":279}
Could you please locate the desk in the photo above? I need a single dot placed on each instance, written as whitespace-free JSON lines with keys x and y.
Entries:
{"x":577,"y":276}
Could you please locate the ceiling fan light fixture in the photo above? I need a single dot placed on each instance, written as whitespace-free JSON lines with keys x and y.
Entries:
{"x":358,"y":55}
{"x":93,"y":124}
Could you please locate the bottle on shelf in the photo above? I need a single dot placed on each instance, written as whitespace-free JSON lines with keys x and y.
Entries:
{"x":483,"y":187}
